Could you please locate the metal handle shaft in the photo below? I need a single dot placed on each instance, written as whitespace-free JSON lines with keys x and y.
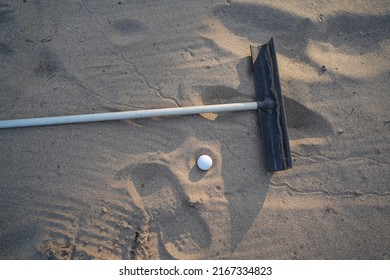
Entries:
{"x":128,"y":115}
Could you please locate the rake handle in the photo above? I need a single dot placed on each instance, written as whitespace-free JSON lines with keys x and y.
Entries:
{"x":191,"y":110}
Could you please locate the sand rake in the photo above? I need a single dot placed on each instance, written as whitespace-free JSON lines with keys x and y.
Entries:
{"x":269,"y":105}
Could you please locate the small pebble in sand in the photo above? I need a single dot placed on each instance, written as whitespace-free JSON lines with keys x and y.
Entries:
{"x":323,"y":68}
{"x":104,"y":209}
{"x":204,"y":162}
{"x":340,"y":131}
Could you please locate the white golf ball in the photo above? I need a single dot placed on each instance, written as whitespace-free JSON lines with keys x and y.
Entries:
{"x":204,"y":162}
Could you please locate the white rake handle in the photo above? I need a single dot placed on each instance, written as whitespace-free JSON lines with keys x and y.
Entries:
{"x":129,"y":115}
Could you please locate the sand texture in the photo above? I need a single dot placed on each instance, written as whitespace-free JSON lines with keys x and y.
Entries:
{"x":132,"y":190}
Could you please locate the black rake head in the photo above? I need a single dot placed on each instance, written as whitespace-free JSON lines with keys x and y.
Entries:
{"x":272,"y":116}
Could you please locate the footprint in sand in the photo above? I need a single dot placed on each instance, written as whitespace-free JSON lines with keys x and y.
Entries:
{"x":177,"y":207}
{"x":169,"y":207}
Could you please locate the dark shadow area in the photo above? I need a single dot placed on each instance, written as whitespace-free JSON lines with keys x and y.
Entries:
{"x":9,"y":97}
{"x":195,"y":174}
{"x":5,"y":49}
{"x":6,"y":15}
{"x":263,"y":22}
{"x":293,"y":32}
{"x":48,"y":62}
{"x":304,"y":121}
{"x":372,"y":30}
{"x":128,"y":27}
{"x":245,"y":200}
{"x":219,"y":94}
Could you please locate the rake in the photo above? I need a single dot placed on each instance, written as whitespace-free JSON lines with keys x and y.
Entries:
{"x":269,"y":103}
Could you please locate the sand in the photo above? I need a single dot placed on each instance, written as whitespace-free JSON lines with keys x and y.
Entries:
{"x":131,"y":189}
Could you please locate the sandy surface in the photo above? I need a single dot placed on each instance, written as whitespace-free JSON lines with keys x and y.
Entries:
{"x":131,"y":190}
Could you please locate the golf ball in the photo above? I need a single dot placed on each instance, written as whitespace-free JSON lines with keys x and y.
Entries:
{"x":204,"y":162}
